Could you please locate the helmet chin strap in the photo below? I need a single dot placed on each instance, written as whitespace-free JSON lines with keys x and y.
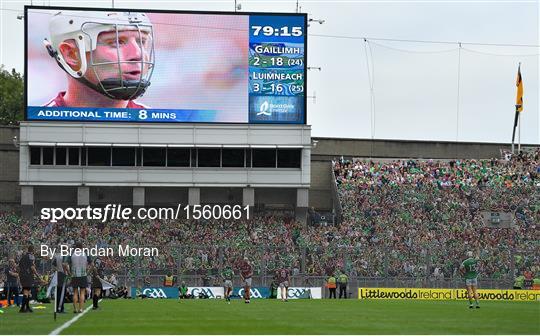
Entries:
{"x":117,"y":89}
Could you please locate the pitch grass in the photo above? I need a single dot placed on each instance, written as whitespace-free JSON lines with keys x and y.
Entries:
{"x":169,"y":316}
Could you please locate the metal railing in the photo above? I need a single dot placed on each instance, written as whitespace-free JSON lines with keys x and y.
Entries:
{"x":202,"y":266}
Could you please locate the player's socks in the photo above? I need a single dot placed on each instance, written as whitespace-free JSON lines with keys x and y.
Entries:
{"x":27,"y":303}
{"x":95,"y":301}
{"x":28,"y":309}
{"x":23,"y":305}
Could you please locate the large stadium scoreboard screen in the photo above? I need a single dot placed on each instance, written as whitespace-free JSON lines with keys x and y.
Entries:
{"x":160,"y":66}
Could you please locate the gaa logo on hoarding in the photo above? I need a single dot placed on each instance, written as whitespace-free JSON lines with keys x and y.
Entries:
{"x":299,"y":293}
{"x":197,"y":291}
{"x":254,"y":293}
{"x":155,"y":293}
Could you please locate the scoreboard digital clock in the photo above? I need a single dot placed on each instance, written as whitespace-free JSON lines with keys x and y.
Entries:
{"x":280,"y":31}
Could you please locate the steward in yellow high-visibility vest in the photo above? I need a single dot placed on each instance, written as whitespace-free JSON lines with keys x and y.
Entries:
{"x":169,"y":280}
{"x":343,"y":279}
{"x":331,"y":284}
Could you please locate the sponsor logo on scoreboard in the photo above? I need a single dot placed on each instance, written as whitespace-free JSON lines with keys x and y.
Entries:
{"x":268,"y":108}
{"x":285,"y":109}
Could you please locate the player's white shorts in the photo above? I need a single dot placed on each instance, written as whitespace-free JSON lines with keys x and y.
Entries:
{"x":284,"y":284}
{"x":228,"y":284}
{"x":247,"y":282}
{"x":471,"y":282}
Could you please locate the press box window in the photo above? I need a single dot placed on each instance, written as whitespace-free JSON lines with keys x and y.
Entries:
{"x":178,"y":157}
{"x":194,"y":157}
{"x":48,"y":155}
{"x":248,"y":158}
{"x":138,"y":152}
{"x":209,"y":157}
{"x":154,"y":157}
{"x":35,"y":155}
{"x":73,"y":159}
{"x":233,"y":157}
{"x":99,"y":156}
{"x":289,"y":158}
{"x":84,"y":154}
{"x":264,"y":158}
{"x":123,"y":156}
{"x":61,"y":153}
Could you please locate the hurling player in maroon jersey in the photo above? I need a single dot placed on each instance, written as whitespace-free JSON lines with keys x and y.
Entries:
{"x":246,"y":272}
{"x":284,"y":281}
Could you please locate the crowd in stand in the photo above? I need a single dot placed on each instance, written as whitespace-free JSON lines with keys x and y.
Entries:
{"x":408,"y":217}
{"x":187,"y":246}
{"x":405,"y":218}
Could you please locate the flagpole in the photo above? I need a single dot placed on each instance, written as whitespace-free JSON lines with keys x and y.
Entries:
{"x":56,"y":295}
{"x":63,"y":291}
{"x":516,"y":119}
{"x":519,"y":136}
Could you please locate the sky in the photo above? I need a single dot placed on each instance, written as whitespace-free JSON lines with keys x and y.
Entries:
{"x":381,"y":74}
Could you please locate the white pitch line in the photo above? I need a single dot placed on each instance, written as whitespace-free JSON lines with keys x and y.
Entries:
{"x":61,"y":328}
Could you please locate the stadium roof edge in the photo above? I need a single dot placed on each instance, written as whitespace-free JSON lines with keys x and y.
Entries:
{"x":425,"y":141}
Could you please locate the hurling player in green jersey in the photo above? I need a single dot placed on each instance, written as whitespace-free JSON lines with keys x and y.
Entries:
{"x":469,"y":269}
{"x":227,"y":275}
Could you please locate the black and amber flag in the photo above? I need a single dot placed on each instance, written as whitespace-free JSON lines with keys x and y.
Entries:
{"x":519,"y":96}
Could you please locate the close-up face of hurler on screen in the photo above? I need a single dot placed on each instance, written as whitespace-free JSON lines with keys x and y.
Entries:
{"x":108,"y":57}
